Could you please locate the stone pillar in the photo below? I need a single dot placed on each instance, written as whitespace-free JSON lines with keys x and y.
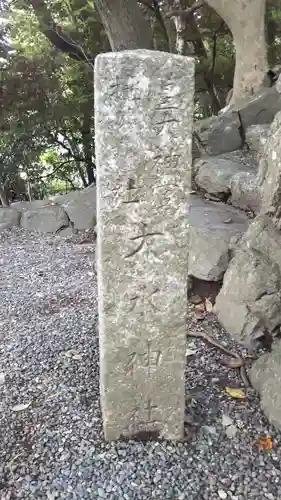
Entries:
{"x":143,"y":130}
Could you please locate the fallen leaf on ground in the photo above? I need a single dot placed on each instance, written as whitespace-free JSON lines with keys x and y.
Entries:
{"x":55,"y":395}
{"x":87,"y":241}
{"x":208,"y":305}
{"x":199,"y":317}
{"x":77,"y":357}
{"x":189,"y":352}
{"x":235,"y":392}
{"x":266,"y":443}
{"x":200,"y":308}
{"x":21,"y":406}
{"x":233,"y":363}
{"x":74,"y":354}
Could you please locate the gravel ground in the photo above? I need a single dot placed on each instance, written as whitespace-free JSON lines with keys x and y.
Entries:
{"x":54,"y":449}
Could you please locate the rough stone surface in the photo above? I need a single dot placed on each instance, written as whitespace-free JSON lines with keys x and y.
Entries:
{"x":5,"y":225}
{"x":265,"y":376}
{"x":46,"y":219}
{"x":269,"y":176}
{"x":30,"y":205}
{"x":260,"y":109}
{"x":81,"y":209}
{"x":278,"y":85}
{"x":66,"y":197}
{"x":245,"y":192}
{"x":213,"y":228}
{"x":9,"y":215}
{"x":256,"y":137}
{"x":219,"y":134}
{"x":214,"y":174}
{"x":144,"y":105}
{"x":249,"y":300}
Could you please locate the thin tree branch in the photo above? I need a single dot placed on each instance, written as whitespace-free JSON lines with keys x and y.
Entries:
{"x":56,"y":168}
{"x":61,"y":143}
{"x":185,"y":14}
{"x":56,"y":35}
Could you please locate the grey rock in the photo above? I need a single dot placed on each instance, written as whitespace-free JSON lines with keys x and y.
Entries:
{"x":256,"y":137}
{"x":144,"y":155}
{"x":46,"y":219}
{"x":260,"y":109}
{"x":81,"y":208}
{"x":222,"y":494}
{"x":249,"y":299}
{"x":214,"y":229}
{"x":66,"y":197}
{"x":9,"y":216}
{"x":269,"y":175}
{"x":219,"y":134}
{"x":231,"y":431}
{"x":101,"y":493}
{"x":226,"y":420}
{"x":4,"y":226}
{"x":265,"y":376}
{"x":214,"y":173}
{"x":22,"y":206}
{"x":245,"y":193}
{"x":209,"y":430}
{"x":278,"y":85}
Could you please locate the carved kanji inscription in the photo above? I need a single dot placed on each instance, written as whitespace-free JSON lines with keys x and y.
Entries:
{"x":149,"y":358}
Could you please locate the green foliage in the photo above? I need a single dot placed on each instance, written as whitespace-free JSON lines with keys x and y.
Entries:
{"x":47,"y":101}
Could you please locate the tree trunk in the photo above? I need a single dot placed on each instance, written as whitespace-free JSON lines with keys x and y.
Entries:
{"x":125,"y":26}
{"x":3,"y":197}
{"x":29,"y":194}
{"x":188,"y":41}
{"x":87,"y":142}
{"x":246,"y":20}
{"x":81,"y":173}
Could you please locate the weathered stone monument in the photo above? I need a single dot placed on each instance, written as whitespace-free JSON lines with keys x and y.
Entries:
{"x":144,"y":107}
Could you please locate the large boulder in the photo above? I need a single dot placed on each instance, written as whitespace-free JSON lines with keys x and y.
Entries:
{"x":4,"y":226}
{"x":229,"y":130}
{"x":218,"y":134}
{"x":260,"y":109}
{"x":214,"y":229}
{"x":65,"y":198}
{"x":256,"y":137}
{"x":214,"y":174}
{"x":46,"y":219}
{"x":248,"y":305}
{"x":82,"y":209}
{"x":265,"y":376}
{"x":21,"y":206}
{"x":269,"y":176}
{"x":9,"y":216}
{"x":245,"y":192}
